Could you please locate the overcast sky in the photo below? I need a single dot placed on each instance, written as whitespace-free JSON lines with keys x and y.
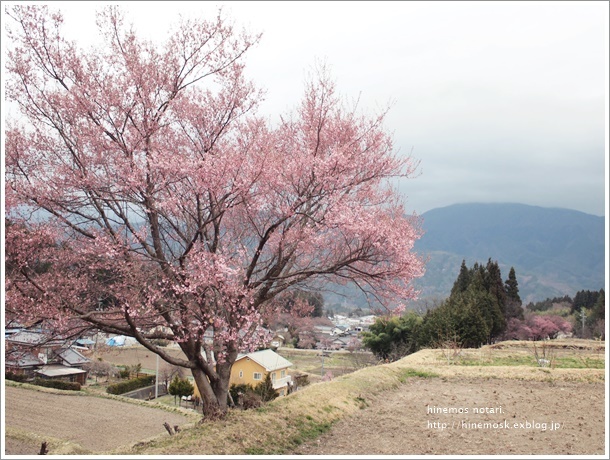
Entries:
{"x":499,"y":101}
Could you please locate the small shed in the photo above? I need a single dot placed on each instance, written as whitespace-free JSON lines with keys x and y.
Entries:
{"x":59,"y":372}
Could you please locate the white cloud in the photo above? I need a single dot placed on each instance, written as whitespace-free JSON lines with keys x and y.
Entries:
{"x":500,"y":100}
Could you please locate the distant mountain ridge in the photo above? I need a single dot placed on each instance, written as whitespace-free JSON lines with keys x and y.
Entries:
{"x":554,"y":251}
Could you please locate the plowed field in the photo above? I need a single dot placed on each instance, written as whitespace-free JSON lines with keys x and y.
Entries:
{"x":95,"y":424}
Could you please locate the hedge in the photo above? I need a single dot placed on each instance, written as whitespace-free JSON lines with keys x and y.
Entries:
{"x":59,"y":384}
{"x":16,"y":377}
{"x":130,"y":385}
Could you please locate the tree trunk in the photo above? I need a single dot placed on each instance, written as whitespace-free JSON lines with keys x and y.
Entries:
{"x":212,"y":405}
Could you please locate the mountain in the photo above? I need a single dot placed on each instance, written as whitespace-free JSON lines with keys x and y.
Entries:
{"x":554,"y":251}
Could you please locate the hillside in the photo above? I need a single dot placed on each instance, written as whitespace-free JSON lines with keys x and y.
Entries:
{"x":554,"y":251}
{"x":377,"y":410}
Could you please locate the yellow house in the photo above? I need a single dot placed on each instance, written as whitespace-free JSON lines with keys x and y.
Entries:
{"x":252,"y":368}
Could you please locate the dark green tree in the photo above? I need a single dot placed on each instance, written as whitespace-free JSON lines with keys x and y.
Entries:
{"x":463,"y":279}
{"x":494,"y":284}
{"x":393,"y":337}
{"x":514,"y":308}
{"x":584,"y":299}
{"x":511,"y":286}
{"x":474,"y":313}
{"x":486,"y":302}
{"x":599,"y":308}
{"x":180,"y":387}
{"x":265,"y":389}
{"x":455,"y":319}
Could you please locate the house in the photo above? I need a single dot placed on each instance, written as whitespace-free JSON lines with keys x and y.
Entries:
{"x":36,"y":343}
{"x":277,"y":341}
{"x":35,"y":354}
{"x":340,"y":343}
{"x":22,"y":362}
{"x":251,"y":368}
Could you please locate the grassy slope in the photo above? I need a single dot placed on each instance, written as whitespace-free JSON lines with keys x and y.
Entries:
{"x":285,"y":423}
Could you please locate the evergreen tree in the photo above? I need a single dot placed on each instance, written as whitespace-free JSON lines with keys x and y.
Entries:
{"x":483,"y":300}
{"x":265,"y":389}
{"x":474,"y":313}
{"x":599,"y":309}
{"x":463,"y":279}
{"x":180,"y":387}
{"x":514,"y":308}
{"x":455,"y":319}
{"x":470,"y":325}
{"x":584,"y":299}
{"x":512,"y":287}
{"x":494,"y":284}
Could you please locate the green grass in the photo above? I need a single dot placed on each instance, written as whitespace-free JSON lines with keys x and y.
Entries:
{"x":409,"y":372}
{"x":308,"y":428}
{"x":580,"y":363}
{"x":558,"y":363}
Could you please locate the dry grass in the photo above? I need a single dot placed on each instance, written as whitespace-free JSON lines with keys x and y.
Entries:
{"x":284,"y":424}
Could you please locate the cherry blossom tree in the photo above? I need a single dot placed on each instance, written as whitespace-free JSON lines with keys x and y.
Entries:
{"x":536,"y":327}
{"x":145,"y":197}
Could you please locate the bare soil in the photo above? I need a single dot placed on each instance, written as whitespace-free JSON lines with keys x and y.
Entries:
{"x":96,"y":424}
{"x":134,"y":355}
{"x":518,"y":418}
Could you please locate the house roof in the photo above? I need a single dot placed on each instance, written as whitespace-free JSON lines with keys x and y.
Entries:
{"x":268,"y":359}
{"x":57,"y":370}
{"x":32,"y":338}
{"x":23,"y":359}
{"x":343,"y":340}
{"x":72,"y":357}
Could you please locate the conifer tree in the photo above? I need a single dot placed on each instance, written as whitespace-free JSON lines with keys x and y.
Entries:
{"x":514,"y":307}
{"x":463,"y":279}
{"x":494,"y":283}
{"x":479,"y":298}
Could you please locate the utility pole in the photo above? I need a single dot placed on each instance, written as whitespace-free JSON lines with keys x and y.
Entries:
{"x":583,"y":315}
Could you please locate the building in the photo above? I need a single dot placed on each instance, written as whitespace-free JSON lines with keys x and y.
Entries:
{"x":252,"y":368}
{"x":35,"y":354}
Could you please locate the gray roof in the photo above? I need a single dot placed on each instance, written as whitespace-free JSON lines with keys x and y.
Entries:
{"x":23,"y":359}
{"x":269,"y":359}
{"x":32,"y":338}
{"x":72,"y":357}
{"x":57,"y":370}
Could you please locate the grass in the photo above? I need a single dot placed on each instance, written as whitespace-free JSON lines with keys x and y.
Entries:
{"x":285,"y":423}
{"x":34,"y":441}
{"x":525,"y":360}
{"x":279,"y":427}
{"x":409,"y":372}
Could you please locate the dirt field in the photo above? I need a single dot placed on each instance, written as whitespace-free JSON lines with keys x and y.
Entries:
{"x":95,"y":424}
{"x":501,"y":410}
{"x":531,"y":418}
{"x":136,"y":355}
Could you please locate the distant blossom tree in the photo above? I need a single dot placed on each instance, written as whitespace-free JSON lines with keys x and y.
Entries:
{"x":536,"y":327}
{"x":142,"y":191}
